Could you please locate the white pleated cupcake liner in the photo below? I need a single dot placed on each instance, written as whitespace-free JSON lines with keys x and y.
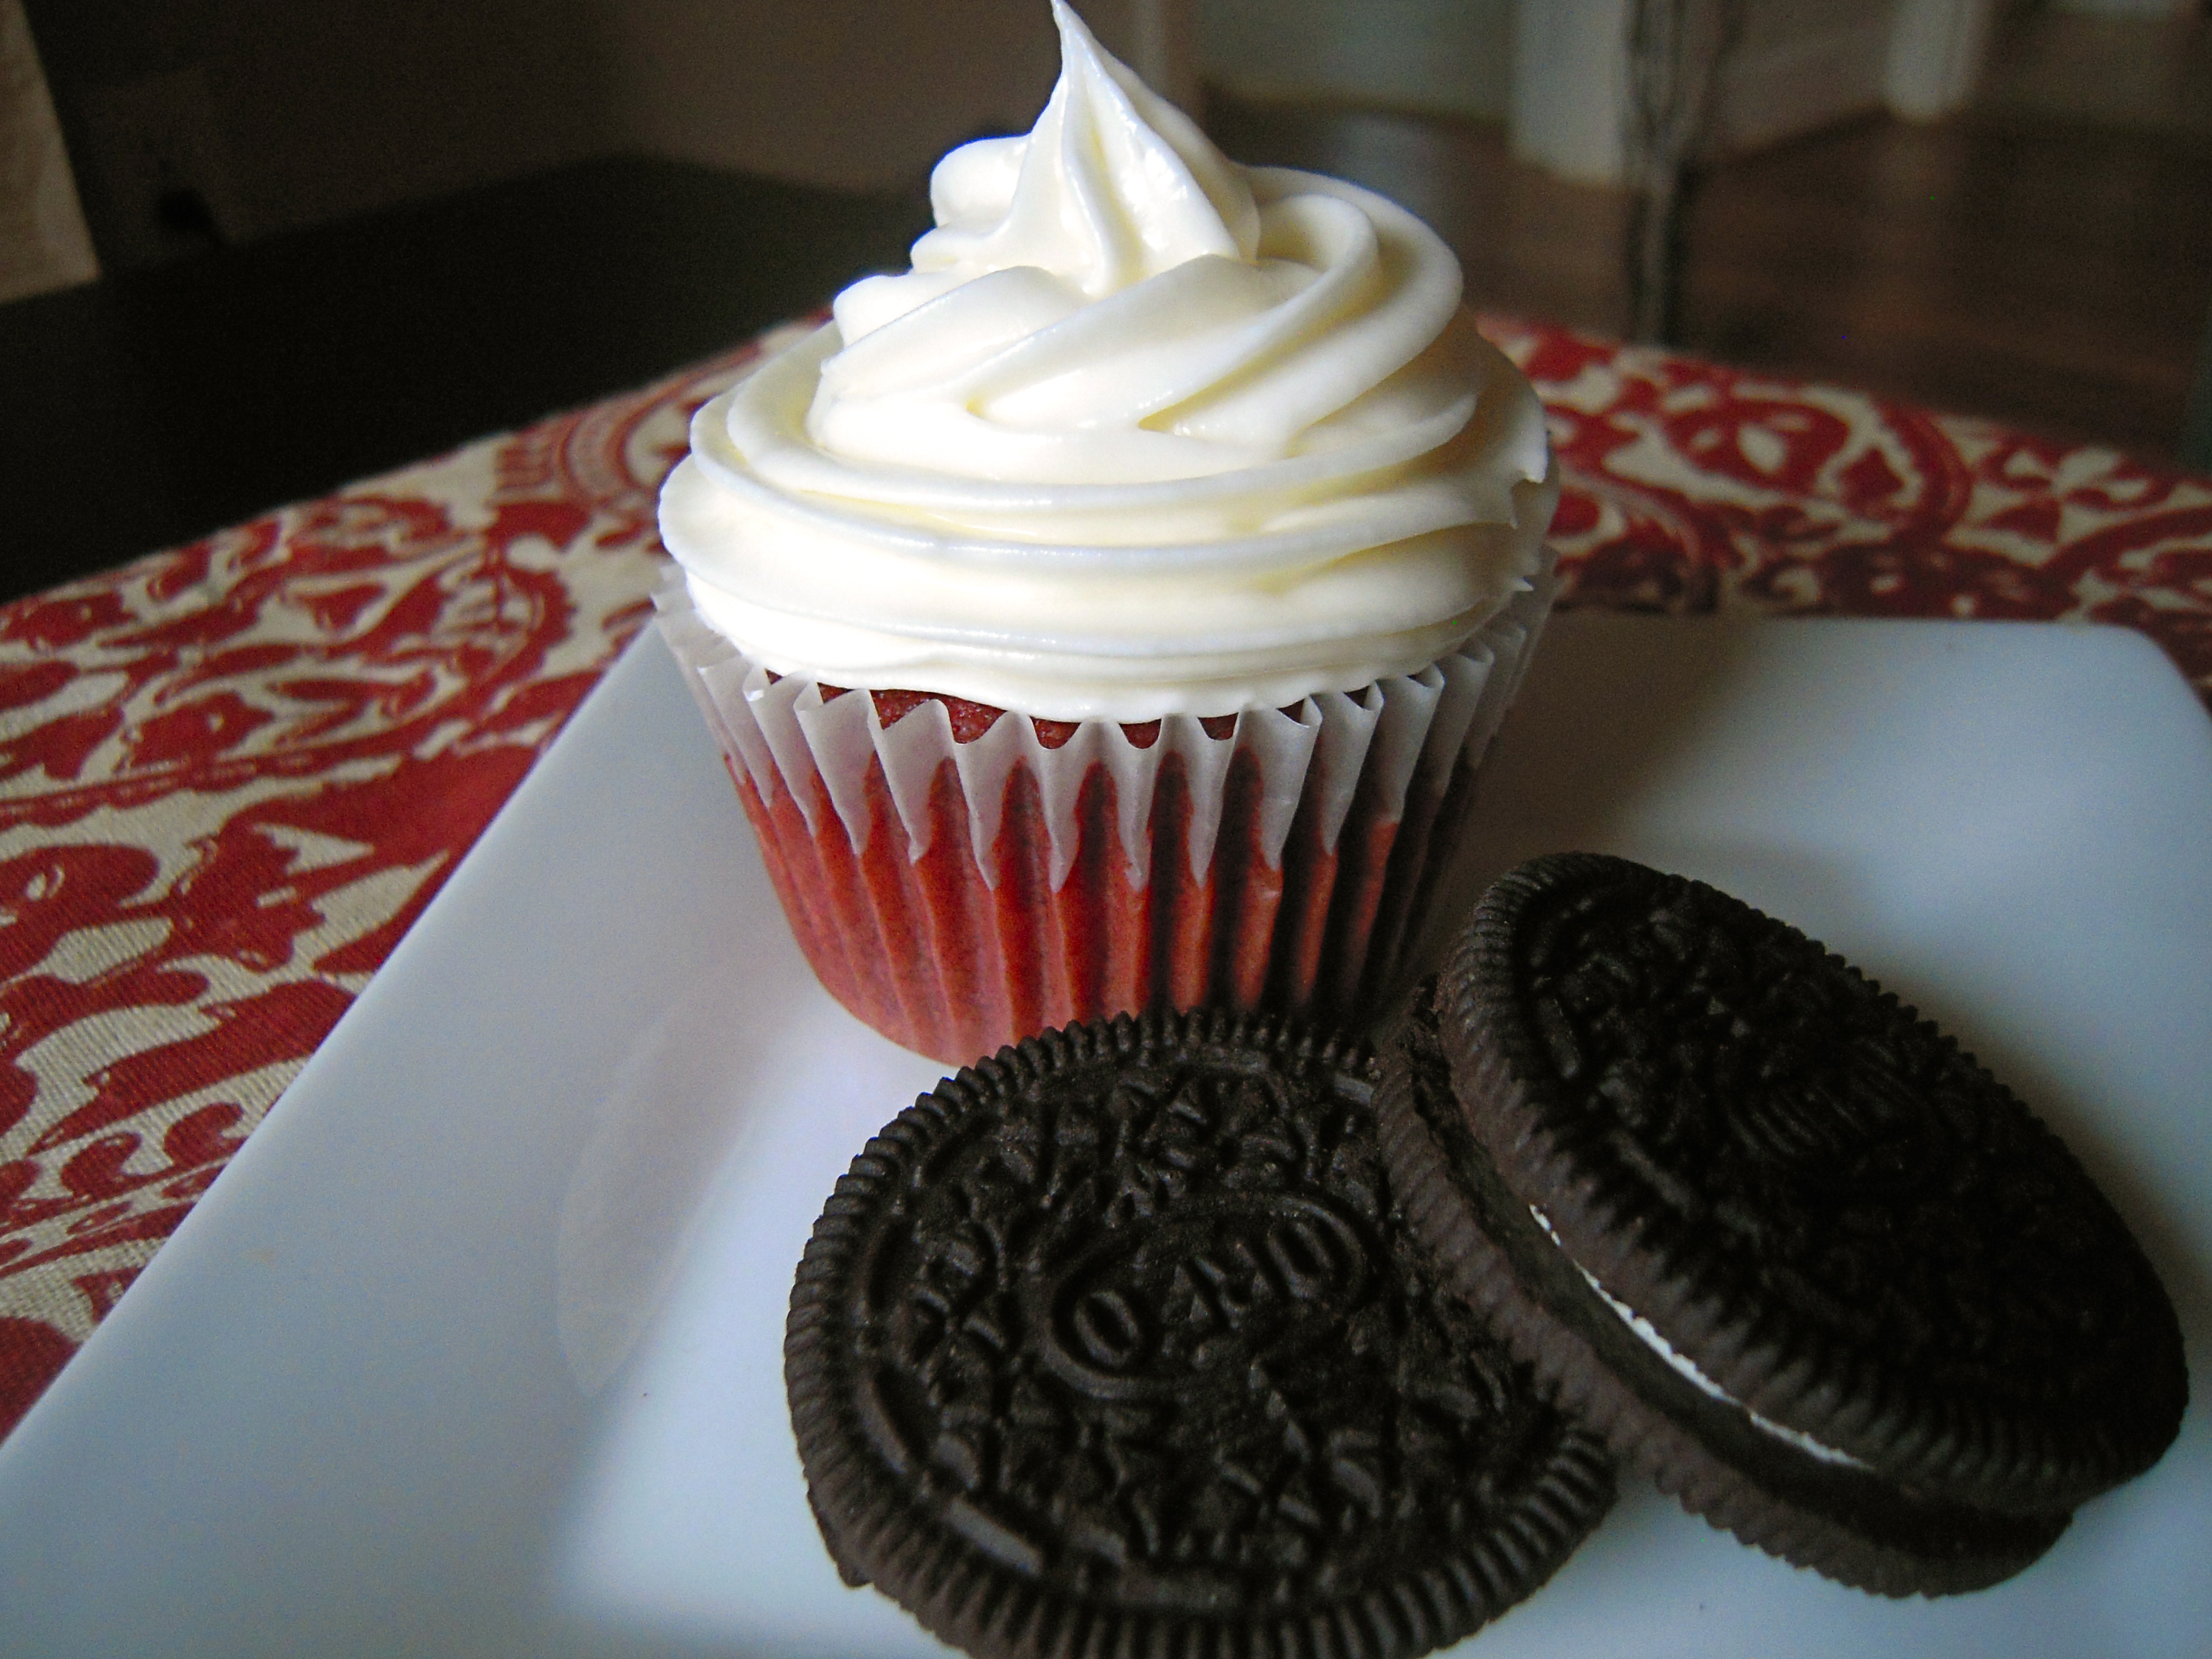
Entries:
{"x":1406,"y":730}
{"x":1406,"y":738}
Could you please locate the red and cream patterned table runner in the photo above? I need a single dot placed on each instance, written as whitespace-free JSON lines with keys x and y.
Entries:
{"x":231,"y":776}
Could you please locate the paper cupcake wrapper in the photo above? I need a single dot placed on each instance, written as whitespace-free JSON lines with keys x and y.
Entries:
{"x":961,"y":896}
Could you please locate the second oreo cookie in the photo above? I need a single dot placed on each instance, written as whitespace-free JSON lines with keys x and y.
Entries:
{"x":1117,"y":1343}
{"x":1798,"y":1257}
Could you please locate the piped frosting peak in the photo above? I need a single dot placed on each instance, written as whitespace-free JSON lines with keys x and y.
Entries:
{"x":1114,"y":185}
{"x":1141,"y":432}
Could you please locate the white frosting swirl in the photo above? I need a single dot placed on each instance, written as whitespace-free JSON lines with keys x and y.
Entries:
{"x":1141,"y":433}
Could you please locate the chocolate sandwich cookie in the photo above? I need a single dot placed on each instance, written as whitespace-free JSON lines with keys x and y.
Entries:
{"x":1793,"y":1253}
{"x":1117,"y":1344}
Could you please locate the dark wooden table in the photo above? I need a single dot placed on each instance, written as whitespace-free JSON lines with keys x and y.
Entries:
{"x":154,"y":406}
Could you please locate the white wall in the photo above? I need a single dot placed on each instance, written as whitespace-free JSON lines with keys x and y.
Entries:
{"x":856,"y":93}
{"x":294,"y":111}
{"x":1801,"y":65}
{"x":1936,"y":52}
{"x":1449,"y":57}
{"x":2129,"y":8}
{"x":1569,"y":87}
{"x":300,"y":112}
{"x":44,"y":244}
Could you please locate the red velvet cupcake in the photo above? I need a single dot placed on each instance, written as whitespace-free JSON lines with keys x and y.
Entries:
{"x":1112,"y":610}
{"x":960,"y":879}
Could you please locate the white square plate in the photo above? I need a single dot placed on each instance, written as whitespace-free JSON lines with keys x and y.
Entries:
{"x":475,"y":1348}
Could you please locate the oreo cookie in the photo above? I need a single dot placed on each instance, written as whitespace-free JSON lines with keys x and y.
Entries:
{"x":1117,"y":1344}
{"x":1795,"y":1254}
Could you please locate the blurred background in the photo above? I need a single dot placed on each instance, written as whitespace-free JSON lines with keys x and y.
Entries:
{"x":251,"y":250}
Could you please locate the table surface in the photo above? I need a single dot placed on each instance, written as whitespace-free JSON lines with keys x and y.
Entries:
{"x":233,"y":774}
{"x":156,"y":405}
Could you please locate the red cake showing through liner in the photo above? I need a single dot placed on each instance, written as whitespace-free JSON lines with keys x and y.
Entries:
{"x":939,"y":960}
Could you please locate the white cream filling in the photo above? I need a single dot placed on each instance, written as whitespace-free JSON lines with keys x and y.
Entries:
{"x":1688,"y":1368}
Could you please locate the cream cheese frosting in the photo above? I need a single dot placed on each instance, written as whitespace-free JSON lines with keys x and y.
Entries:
{"x":1141,"y":433}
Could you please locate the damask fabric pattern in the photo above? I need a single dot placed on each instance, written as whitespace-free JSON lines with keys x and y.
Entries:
{"x":232,"y":775}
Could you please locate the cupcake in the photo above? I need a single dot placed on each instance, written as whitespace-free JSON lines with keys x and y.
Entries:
{"x":1110,"y":612}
